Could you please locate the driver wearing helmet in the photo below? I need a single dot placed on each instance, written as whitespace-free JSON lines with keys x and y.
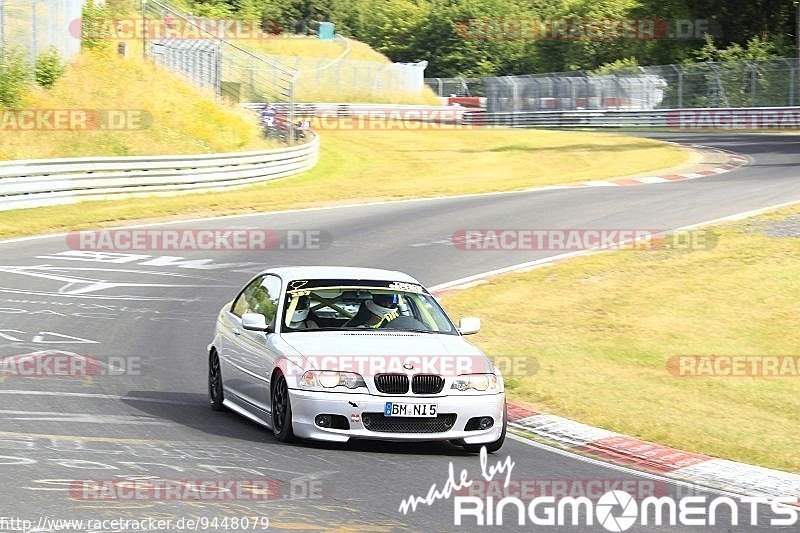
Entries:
{"x":375,"y":312}
{"x":300,"y":315}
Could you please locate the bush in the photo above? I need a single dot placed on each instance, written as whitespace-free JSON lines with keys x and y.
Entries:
{"x":48,"y":68}
{"x":94,"y":33}
{"x":13,"y":78}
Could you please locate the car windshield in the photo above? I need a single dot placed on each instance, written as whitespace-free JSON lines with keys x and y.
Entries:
{"x":341,"y":305}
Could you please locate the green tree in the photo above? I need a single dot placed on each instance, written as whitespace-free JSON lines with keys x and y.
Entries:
{"x":48,"y":68}
{"x":391,"y":26}
{"x":94,"y":29}
{"x":13,"y":78}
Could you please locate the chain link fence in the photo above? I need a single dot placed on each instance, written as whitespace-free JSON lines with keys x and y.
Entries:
{"x":35,"y":26}
{"x":239,"y":73}
{"x":319,"y":78}
{"x":456,"y":86}
{"x":231,"y":71}
{"x":772,"y":83}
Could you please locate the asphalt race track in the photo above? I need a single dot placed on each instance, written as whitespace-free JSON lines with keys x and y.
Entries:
{"x":154,"y":421}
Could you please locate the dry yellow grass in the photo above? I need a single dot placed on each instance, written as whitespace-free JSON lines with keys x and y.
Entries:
{"x":184,"y":119}
{"x":603,"y":327}
{"x":312,"y":48}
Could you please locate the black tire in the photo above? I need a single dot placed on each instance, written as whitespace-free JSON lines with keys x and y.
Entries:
{"x":281,"y":410}
{"x":216,"y":394}
{"x":491,"y":447}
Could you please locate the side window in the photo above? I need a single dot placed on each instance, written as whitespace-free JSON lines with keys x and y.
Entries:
{"x":260,"y":296}
{"x":240,"y":306}
{"x":264,"y":300}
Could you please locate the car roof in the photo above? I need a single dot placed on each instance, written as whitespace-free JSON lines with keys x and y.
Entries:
{"x":289,"y":273}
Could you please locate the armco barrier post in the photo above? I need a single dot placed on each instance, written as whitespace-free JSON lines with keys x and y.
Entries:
{"x":2,"y":32}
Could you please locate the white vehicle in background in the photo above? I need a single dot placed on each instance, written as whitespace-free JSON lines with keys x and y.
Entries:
{"x":334,"y":353}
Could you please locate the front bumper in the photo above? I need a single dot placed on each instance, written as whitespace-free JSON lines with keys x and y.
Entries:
{"x":306,"y":405}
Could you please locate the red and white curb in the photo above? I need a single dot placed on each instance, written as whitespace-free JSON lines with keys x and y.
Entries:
{"x":695,"y":468}
{"x":733,"y":162}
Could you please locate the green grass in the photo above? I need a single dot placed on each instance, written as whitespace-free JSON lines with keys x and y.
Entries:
{"x":603,"y":327}
{"x":359,"y":165}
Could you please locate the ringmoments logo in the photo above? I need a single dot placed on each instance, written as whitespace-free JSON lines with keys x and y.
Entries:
{"x":618,"y":511}
{"x":615,"y":510}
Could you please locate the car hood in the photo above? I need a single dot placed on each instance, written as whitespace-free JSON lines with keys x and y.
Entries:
{"x":324,"y":350}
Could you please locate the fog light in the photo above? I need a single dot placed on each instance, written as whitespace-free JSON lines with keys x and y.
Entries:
{"x":324,"y":421}
{"x":486,"y":422}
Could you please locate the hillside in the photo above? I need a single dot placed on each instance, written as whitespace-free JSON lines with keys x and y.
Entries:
{"x":178,"y":118}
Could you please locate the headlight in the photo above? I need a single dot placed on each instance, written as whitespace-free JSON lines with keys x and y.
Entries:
{"x":329,"y":379}
{"x":478,"y":382}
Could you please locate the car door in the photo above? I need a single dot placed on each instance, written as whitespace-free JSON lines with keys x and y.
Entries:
{"x":255,"y":352}
{"x":232,"y":358}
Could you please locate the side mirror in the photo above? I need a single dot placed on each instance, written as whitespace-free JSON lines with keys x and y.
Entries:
{"x":469,"y":325}
{"x":254,"y":322}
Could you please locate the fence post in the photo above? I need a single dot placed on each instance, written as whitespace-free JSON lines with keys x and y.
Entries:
{"x":790,"y":65}
{"x":678,"y":70}
{"x":514,"y":97}
{"x":34,"y":44}
{"x":753,"y":84}
{"x":291,"y":111}
{"x":2,"y":32}
{"x":144,"y":29}
{"x":218,"y":57}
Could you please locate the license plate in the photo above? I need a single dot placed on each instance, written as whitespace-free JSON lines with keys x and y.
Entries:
{"x":426,"y":410}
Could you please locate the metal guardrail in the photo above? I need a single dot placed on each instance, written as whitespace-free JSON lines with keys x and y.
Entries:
{"x":360,"y":109}
{"x":695,"y":118}
{"x":42,"y":182}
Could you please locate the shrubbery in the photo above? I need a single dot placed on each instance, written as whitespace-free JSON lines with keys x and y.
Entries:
{"x":48,"y":68}
{"x":433,"y":30}
{"x":17,"y":76}
{"x":14,"y":78}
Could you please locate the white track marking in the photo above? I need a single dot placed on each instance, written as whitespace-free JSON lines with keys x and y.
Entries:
{"x":652,"y":179}
{"x":96,"y":396}
{"x":83,"y":418}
